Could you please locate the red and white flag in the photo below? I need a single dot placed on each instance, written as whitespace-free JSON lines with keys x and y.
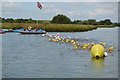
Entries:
{"x":39,"y":5}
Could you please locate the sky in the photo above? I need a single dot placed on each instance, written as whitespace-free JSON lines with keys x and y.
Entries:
{"x":74,"y":10}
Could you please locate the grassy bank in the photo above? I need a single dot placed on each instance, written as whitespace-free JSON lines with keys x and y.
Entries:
{"x":51,"y":27}
{"x":105,"y":26}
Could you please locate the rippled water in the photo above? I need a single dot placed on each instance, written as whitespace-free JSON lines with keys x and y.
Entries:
{"x":33,"y":56}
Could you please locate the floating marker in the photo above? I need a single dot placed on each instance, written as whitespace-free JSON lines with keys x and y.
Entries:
{"x":97,"y":50}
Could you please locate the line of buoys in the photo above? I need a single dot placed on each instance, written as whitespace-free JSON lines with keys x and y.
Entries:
{"x":97,"y":50}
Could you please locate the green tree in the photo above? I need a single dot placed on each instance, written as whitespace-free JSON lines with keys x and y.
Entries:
{"x":107,"y":22}
{"x":61,"y":19}
{"x":77,"y":22}
{"x":10,"y":20}
{"x":0,"y":20}
{"x":91,"y":21}
{"x":101,"y":22}
{"x":3,"y":20}
{"x":118,"y":24}
{"x":20,"y":20}
{"x":29,"y":20}
{"x":85,"y":22}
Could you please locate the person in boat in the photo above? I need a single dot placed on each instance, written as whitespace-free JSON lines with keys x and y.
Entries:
{"x":89,"y":47}
{"x":24,"y":29}
{"x":58,"y":34}
{"x":29,"y":28}
{"x":43,"y":29}
{"x":36,"y":28}
{"x":110,"y":50}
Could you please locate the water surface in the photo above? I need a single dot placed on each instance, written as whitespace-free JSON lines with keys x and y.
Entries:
{"x":33,"y":56}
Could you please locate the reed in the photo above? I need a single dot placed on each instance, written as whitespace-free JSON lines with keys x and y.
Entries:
{"x":50,"y":27}
{"x":105,"y":26}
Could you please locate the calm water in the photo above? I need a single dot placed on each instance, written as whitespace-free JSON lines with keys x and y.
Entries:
{"x":33,"y":56}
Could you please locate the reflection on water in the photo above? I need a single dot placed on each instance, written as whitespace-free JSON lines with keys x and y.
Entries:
{"x":97,"y":65}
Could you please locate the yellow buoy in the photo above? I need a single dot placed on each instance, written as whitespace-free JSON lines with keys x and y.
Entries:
{"x":104,"y":44}
{"x":76,"y":42}
{"x":53,"y":39}
{"x":84,"y":48}
{"x":76,"y":47}
{"x":88,"y":44}
{"x":101,"y":43}
{"x":93,"y":44}
{"x":67,"y":40}
{"x":97,"y":50}
{"x":85,"y":45}
{"x":62,"y":41}
{"x":72,"y":41}
{"x":59,"y":39}
{"x":49,"y":39}
{"x":111,"y":48}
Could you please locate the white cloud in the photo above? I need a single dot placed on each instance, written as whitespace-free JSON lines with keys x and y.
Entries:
{"x":74,"y":13}
{"x":53,"y":10}
{"x":50,"y":8}
{"x":46,"y":5}
{"x":11,"y":5}
{"x":100,"y":12}
{"x":10,"y":8}
{"x":106,"y":5}
{"x":104,"y":9}
{"x":96,"y":10}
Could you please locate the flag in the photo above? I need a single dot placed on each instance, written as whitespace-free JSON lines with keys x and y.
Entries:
{"x":39,"y":5}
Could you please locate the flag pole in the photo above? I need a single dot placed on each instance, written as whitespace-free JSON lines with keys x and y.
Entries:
{"x":37,"y":22}
{"x":39,"y":6}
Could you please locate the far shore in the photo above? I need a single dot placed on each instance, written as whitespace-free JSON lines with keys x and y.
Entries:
{"x":54,"y":27}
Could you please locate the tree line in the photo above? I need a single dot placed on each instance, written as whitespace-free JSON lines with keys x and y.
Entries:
{"x":60,"y":19}
{"x":21,"y":20}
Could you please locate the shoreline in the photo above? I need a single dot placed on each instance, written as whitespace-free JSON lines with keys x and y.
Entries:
{"x":55,"y":27}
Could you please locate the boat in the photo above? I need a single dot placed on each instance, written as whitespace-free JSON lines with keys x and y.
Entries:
{"x":32,"y":32}
{"x":18,"y":30}
{"x":6,"y":30}
{"x":2,"y":32}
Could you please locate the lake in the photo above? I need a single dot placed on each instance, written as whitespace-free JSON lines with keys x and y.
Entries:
{"x":33,"y":56}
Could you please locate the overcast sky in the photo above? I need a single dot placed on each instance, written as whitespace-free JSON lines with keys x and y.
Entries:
{"x":74,"y":10}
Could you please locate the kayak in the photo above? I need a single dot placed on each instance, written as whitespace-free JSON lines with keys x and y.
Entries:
{"x":32,"y":32}
{"x":6,"y":30}
{"x":2,"y":32}
{"x":18,"y":30}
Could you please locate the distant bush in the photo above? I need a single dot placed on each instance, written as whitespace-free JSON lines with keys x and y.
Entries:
{"x":61,"y":19}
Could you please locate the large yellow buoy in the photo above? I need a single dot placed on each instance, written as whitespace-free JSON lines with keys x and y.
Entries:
{"x":97,"y":51}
